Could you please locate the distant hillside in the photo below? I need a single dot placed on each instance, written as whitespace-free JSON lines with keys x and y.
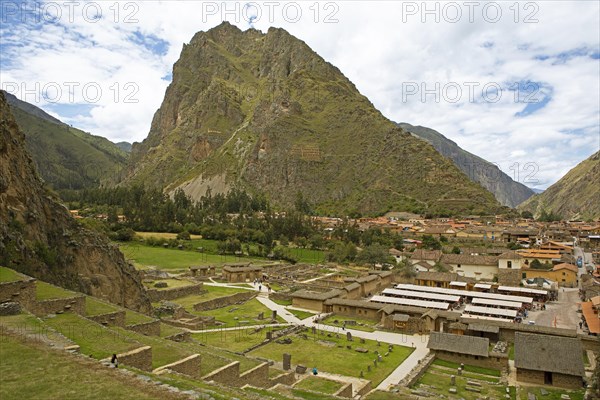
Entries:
{"x":125,"y":146}
{"x":66,"y":157}
{"x":575,"y":195}
{"x":506,"y":191}
{"x":266,"y":113}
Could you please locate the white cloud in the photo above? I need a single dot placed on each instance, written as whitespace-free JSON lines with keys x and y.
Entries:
{"x":380,"y":46}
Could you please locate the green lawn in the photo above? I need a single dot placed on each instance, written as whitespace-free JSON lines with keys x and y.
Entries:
{"x":235,"y":314}
{"x":333,"y":359}
{"x":134,"y":318}
{"x":236,"y":341}
{"x":94,"y":306}
{"x":171,"y":283}
{"x":299,"y":313}
{"x":283,"y":302}
{"x":34,"y":371}
{"x":317,"y":384}
{"x":45,"y":291}
{"x":366,"y":325}
{"x":171,"y":258}
{"x":8,"y":275}
{"x":553,"y":394}
{"x":468,"y":368}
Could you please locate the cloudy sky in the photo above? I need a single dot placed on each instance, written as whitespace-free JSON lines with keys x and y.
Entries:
{"x":516,"y":83}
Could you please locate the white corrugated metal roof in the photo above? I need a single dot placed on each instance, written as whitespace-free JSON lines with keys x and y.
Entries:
{"x":522,"y":290}
{"x":471,"y":309}
{"x":466,"y":293}
{"x":411,"y":302}
{"x":421,"y":295}
{"x":482,"y":286}
{"x":499,"y":303}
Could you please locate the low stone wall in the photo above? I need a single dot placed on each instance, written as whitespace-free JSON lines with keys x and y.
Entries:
{"x":227,"y":375}
{"x":418,"y":371}
{"x":45,"y":307}
{"x":493,"y":362}
{"x":151,"y":328}
{"x":365,"y":389}
{"x":116,"y":318}
{"x":22,"y":292}
{"x":180,"y":337}
{"x":277,"y":296}
{"x":174,"y":293}
{"x":257,"y":376}
{"x":140,"y":358}
{"x":221,"y":302}
{"x":287,"y":378}
{"x":189,"y":366}
{"x":345,"y":391}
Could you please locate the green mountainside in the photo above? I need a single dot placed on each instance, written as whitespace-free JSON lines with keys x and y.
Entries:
{"x":488,"y":175}
{"x":266,"y":113}
{"x":575,"y":195}
{"x":66,"y":157}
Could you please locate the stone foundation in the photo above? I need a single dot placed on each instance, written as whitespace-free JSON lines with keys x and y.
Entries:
{"x":42,"y":308}
{"x":22,"y":292}
{"x":151,"y":328}
{"x":189,"y":366}
{"x":116,"y":318}
{"x":174,"y":293}
{"x":345,"y":391}
{"x":287,"y":378}
{"x":140,"y":358}
{"x":225,"y":301}
{"x":227,"y":375}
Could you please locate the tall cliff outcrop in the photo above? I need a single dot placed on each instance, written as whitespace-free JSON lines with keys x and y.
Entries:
{"x":39,"y":237}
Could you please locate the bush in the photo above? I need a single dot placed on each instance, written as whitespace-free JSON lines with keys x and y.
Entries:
{"x":185,"y":235}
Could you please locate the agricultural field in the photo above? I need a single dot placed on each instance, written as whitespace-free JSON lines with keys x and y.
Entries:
{"x":235,"y":340}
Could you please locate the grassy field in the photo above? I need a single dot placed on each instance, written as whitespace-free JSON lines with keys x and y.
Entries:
{"x":317,"y":384}
{"x":299,"y":313}
{"x":96,"y":307}
{"x":33,"y":371}
{"x":366,"y":325}
{"x":171,"y":283}
{"x":8,"y":275}
{"x":236,"y":341}
{"x":45,"y":291}
{"x":437,"y":379}
{"x":212,"y":292}
{"x":553,"y":394}
{"x":175,"y":259}
{"x":134,"y":318}
{"x":234,"y":315}
{"x":326,"y":355}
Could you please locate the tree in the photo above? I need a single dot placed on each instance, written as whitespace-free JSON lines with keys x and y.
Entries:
{"x":374,"y":254}
{"x":455,"y":250}
{"x":526,"y":214}
{"x":184,"y":235}
{"x":439,"y":267}
{"x":406,"y":269}
{"x":316,"y":241}
{"x":429,"y":242}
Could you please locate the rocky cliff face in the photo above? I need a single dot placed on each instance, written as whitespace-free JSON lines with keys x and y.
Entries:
{"x":266,"y":113}
{"x":575,"y":195}
{"x":488,"y":175}
{"x":40,"y":238}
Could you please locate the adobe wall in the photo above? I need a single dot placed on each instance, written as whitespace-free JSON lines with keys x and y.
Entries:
{"x":116,"y":318}
{"x":352,"y":311}
{"x":227,"y":375}
{"x":315,"y":305}
{"x":537,"y":377}
{"x":151,"y":328}
{"x":365,"y":389}
{"x":45,"y":307}
{"x":189,"y":366}
{"x":509,"y":277}
{"x":493,"y":362}
{"x":221,"y":302}
{"x":257,"y":376}
{"x":174,"y":293}
{"x":345,"y":391}
{"x":22,"y":292}
{"x":140,"y":358}
{"x":287,"y":378}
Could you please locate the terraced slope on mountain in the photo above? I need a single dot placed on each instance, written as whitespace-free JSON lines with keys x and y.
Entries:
{"x":575,"y":195}
{"x":488,"y":175}
{"x":39,"y":237}
{"x":66,"y":157}
{"x":265,"y":112}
